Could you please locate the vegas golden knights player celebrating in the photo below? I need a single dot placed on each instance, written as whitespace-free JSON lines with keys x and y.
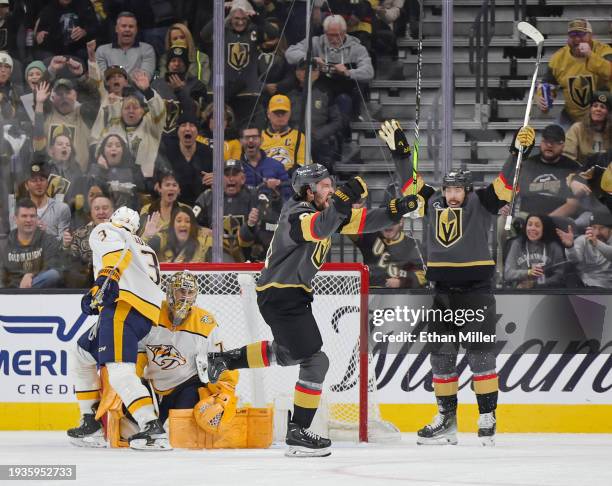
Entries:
{"x":284,"y":292}
{"x":460,"y":266}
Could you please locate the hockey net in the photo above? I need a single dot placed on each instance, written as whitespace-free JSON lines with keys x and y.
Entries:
{"x":349,"y":409}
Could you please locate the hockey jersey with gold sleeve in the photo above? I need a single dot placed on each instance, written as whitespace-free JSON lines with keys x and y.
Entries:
{"x":287,"y":147}
{"x":302,"y":240}
{"x":580,"y":77}
{"x":139,"y":267}
{"x":171,"y":350}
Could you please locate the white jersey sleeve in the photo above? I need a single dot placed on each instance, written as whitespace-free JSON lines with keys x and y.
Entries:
{"x":135,"y":261}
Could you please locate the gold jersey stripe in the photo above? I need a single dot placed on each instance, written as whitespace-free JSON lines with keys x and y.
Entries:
{"x":283,"y":286}
{"x":475,"y":263}
{"x":111,"y":259}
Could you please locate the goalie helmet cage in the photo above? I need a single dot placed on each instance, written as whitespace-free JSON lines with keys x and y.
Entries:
{"x":340,"y":307}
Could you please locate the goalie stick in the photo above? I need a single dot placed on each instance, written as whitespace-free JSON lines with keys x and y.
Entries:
{"x":534,"y":34}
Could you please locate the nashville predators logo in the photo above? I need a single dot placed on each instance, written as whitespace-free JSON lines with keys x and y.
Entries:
{"x":282,"y":155}
{"x":238,"y":55}
{"x":449,"y":226}
{"x":581,"y":90}
{"x":166,"y":356}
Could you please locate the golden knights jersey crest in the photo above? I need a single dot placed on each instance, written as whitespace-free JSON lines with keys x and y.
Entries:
{"x":449,"y":225}
{"x":238,"y":55}
{"x":581,"y":89}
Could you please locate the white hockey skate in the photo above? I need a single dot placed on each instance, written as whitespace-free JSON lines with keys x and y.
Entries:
{"x":441,"y":431}
{"x":152,"y":438}
{"x":487,"y":425}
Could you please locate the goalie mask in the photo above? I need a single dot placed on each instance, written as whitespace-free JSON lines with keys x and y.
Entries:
{"x":181,"y":294}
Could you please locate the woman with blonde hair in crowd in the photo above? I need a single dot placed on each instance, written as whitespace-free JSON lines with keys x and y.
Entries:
{"x":199,"y":63}
{"x":593,"y":135}
{"x":182,"y":242}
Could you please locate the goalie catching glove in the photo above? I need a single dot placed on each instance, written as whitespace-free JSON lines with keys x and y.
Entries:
{"x":399,"y":206}
{"x":111,"y":291}
{"x":524,"y":140}
{"x":216,"y":408}
{"x":393,"y":134}
{"x":350,"y":193}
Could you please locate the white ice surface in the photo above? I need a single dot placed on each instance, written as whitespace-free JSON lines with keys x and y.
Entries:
{"x":518,"y":460}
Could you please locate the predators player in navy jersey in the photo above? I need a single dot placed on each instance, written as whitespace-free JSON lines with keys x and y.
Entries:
{"x":127,"y":296}
{"x":284,"y":291}
{"x":459,"y":264}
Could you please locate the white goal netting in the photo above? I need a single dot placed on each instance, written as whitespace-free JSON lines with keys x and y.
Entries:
{"x":228,"y":291}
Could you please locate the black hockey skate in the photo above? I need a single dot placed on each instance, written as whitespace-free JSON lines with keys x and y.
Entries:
{"x":487,"y":425}
{"x":304,"y":443}
{"x":441,"y":431}
{"x":152,"y":438}
{"x":219,"y":362}
{"x":90,"y":433}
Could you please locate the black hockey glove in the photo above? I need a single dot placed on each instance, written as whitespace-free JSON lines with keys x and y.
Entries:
{"x":349,"y":193}
{"x":391,"y":132}
{"x":399,"y":206}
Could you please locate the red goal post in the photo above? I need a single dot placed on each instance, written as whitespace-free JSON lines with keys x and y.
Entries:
{"x":345,"y":285}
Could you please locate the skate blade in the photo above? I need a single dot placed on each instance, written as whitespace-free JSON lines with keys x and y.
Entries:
{"x":155,"y":445}
{"x":297,"y":451}
{"x":92,"y":442}
{"x":448,"y":440}
{"x":488,"y":441}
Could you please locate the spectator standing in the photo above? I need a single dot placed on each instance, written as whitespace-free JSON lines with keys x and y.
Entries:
{"x":160,"y":210}
{"x":279,"y":140}
{"x":198,"y":62}
{"x":581,"y":67}
{"x":35,"y":73}
{"x":344,"y":62}
{"x":535,"y":258}
{"x":126,"y":50}
{"x":238,"y":202}
{"x":31,"y":259}
{"x":189,"y":159}
{"x":139,"y":117}
{"x":64,"y":27}
{"x":10,"y":96}
{"x":10,"y":22}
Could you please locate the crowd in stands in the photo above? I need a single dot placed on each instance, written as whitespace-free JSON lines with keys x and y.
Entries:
{"x":106,"y":103}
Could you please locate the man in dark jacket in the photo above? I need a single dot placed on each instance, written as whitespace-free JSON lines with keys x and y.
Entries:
{"x":32,"y":256}
{"x":64,"y":27}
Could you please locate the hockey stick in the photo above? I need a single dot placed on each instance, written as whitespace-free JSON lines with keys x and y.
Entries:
{"x":534,"y":34}
{"x":417,"y":106}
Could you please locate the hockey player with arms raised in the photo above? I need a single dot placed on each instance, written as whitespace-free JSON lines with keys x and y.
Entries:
{"x":284,"y":291}
{"x":460,"y":266}
{"x":127,"y":297}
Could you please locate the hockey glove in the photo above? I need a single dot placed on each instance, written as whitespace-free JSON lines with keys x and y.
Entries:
{"x":216,"y":408}
{"x":399,"y":206}
{"x":349,"y":193}
{"x":524,"y":139}
{"x":391,"y":132}
{"x":110,"y":291}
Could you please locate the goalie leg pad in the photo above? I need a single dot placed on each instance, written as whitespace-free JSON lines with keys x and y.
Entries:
{"x":135,"y":396}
